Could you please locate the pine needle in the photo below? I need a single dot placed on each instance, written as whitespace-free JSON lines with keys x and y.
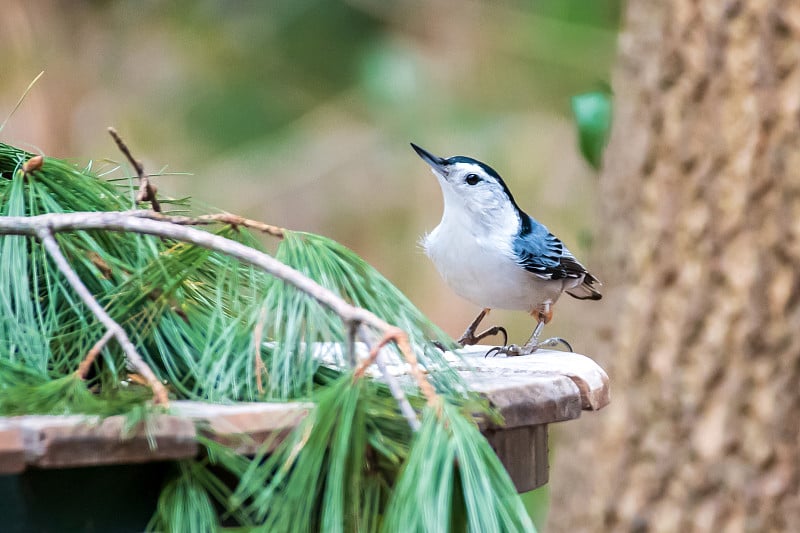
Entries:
{"x":337,"y":268}
{"x":329,"y":474}
{"x":453,"y":477}
{"x":24,"y":392}
{"x":184,"y":503}
{"x":21,"y":99}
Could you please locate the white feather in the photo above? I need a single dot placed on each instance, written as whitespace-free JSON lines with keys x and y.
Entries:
{"x":472,"y":249}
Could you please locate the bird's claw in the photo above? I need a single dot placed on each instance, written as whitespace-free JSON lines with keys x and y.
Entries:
{"x":555,"y":341}
{"x":469,"y":338}
{"x":513,"y":350}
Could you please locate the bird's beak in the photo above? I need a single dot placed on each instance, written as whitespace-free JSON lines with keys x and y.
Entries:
{"x":437,"y":163}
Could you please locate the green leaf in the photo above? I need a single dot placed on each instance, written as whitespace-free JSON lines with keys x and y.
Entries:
{"x":592,"y":113}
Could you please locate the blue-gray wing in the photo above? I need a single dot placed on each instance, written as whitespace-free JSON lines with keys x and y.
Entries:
{"x":543,"y":254}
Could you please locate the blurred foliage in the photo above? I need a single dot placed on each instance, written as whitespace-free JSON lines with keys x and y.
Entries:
{"x":592,"y":113}
{"x":299,"y":112}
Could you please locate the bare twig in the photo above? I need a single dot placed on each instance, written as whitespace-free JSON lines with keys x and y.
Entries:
{"x":388,"y":337}
{"x":45,"y":234}
{"x":83,"y":368}
{"x":400,"y":338}
{"x":147,"y":191}
{"x":258,"y":333}
{"x":100,"y":263}
{"x":394,"y":387}
{"x":221,"y":218}
{"x":135,"y":222}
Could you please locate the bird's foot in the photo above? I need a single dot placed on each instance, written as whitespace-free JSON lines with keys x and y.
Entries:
{"x":555,"y":341}
{"x":469,"y":338}
{"x":514,"y":350}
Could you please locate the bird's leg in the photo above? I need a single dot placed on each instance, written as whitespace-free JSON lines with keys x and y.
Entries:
{"x":469,"y":337}
{"x":543,"y":314}
{"x":534,"y":338}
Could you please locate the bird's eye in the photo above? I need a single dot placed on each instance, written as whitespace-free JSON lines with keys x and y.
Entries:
{"x":472,"y":179}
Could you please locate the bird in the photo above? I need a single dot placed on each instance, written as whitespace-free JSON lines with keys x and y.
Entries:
{"x":493,"y":254}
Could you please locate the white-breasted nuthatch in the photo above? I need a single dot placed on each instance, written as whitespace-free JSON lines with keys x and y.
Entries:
{"x":492,"y":253}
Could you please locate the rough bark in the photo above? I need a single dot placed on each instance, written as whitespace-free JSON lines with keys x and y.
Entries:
{"x":701,"y":215}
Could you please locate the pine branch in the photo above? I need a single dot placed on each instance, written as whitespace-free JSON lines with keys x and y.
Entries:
{"x":151,"y":223}
{"x":83,"y":368}
{"x":45,"y":234}
{"x":220,"y":218}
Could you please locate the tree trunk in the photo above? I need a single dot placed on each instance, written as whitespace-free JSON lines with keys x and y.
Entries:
{"x":701,"y":233}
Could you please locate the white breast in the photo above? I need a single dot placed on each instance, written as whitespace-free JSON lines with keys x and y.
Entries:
{"x":483,"y":270}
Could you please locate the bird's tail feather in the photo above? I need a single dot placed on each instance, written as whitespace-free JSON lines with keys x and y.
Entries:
{"x":585,"y":291}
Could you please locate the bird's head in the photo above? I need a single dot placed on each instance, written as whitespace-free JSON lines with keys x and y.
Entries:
{"x":470,"y":186}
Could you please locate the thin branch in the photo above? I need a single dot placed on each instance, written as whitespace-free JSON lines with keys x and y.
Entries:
{"x":394,"y":387}
{"x":135,"y":222}
{"x":221,"y":218}
{"x":147,"y":191}
{"x":45,"y":234}
{"x":91,"y":355}
{"x":400,"y":338}
{"x":132,"y":221}
{"x":373,"y":354}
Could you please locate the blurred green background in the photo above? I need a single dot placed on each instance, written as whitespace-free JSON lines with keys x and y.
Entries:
{"x":299,"y":113}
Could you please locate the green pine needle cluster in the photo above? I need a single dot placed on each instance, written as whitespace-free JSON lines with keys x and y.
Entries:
{"x":452,"y":480}
{"x":191,"y":312}
{"x":352,"y":465}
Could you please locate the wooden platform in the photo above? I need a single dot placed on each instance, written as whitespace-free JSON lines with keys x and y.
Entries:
{"x":530,"y":392}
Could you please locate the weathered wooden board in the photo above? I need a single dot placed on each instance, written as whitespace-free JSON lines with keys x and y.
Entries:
{"x":529,"y":392}
{"x":12,"y":449}
{"x":244,"y":426}
{"x":542,"y":374}
{"x":74,"y":440}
